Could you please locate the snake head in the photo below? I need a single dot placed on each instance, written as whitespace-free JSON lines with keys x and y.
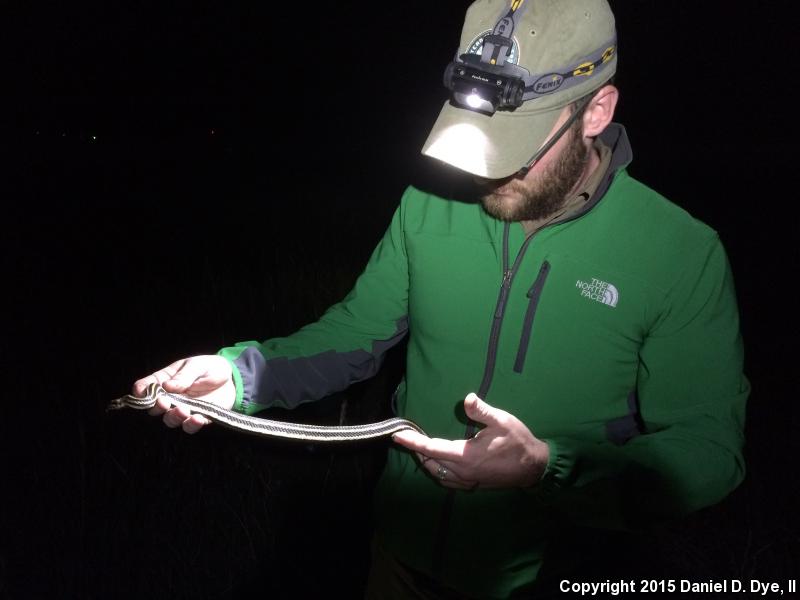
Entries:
{"x":116,"y":404}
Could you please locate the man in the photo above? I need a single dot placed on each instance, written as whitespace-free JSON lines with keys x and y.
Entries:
{"x":573,"y":352}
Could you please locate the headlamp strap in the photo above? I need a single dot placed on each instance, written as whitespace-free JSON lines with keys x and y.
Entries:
{"x":497,"y":45}
{"x":567,"y":77}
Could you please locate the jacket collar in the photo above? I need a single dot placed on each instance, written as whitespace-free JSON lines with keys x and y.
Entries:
{"x":615,"y":137}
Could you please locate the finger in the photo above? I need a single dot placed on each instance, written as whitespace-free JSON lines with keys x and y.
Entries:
{"x":434,"y":447}
{"x":176,"y":416}
{"x":439,"y":468}
{"x":186,"y":376}
{"x":139,"y":388}
{"x":482,"y":412}
{"x":165,"y":374}
{"x":445,"y":475}
{"x":408,"y":437}
{"x":194,"y":423}
{"x":163,"y":402}
{"x":161,"y":406}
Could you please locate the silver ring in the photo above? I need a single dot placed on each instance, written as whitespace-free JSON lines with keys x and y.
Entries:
{"x":441,"y":472}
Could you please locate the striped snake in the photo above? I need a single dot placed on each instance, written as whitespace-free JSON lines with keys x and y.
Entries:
{"x":267,"y":427}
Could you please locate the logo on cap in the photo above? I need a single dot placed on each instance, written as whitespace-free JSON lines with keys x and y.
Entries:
{"x":476,"y":47}
{"x":548,"y":83}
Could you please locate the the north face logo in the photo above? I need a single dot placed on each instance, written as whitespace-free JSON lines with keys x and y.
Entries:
{"x":599,"y":291}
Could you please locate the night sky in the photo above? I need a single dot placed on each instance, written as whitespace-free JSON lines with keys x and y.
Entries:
{"x":181,"y":176}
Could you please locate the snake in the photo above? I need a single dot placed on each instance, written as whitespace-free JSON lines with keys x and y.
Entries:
{"x":267,"y":427}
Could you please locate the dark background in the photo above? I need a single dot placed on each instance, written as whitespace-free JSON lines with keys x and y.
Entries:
{"x":177,"y":177}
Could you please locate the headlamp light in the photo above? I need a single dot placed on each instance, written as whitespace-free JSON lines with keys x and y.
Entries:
{"x":483,"y":89}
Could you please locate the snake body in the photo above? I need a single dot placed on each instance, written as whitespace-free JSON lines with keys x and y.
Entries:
{"x":267,"y":427}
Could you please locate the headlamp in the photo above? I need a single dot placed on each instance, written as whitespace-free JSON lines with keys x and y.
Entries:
{"x":484,"y":88}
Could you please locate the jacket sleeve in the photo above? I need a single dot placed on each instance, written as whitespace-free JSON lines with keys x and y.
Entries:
{"x":692,"y":394}
{"x":344,"y":346}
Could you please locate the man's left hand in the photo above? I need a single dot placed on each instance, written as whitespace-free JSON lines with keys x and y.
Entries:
{"x":503,"y":454}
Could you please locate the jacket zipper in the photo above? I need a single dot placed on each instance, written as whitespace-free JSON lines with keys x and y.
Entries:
{"x":499,"y":313}
{"x":534,"y":294}
{"x":491,"y":359}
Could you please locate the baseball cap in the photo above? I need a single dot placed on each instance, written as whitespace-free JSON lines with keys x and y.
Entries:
{"x":568,"y":48}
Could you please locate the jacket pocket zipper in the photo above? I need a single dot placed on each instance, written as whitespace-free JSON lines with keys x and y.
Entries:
{"x":534,"y":294}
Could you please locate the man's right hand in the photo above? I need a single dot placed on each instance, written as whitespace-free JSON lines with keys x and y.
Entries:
{"x":207,"y":377}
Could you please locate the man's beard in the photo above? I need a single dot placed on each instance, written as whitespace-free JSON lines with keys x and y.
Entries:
{"x":548,"y":194}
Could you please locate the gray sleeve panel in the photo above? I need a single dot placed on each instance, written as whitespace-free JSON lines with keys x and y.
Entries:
{"x":289,"y":382}
{"x":252,"y":366}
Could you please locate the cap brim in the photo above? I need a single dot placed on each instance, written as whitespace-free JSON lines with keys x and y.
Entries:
{"x":493,"y":147}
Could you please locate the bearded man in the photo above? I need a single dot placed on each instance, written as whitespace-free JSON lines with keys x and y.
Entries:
{"x":573,"y":340}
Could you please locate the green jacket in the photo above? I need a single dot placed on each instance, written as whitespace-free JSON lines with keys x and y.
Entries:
{"x":612,"y":335}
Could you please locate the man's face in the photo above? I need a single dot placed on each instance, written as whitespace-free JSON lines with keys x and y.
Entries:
{"x":543,"y":190}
